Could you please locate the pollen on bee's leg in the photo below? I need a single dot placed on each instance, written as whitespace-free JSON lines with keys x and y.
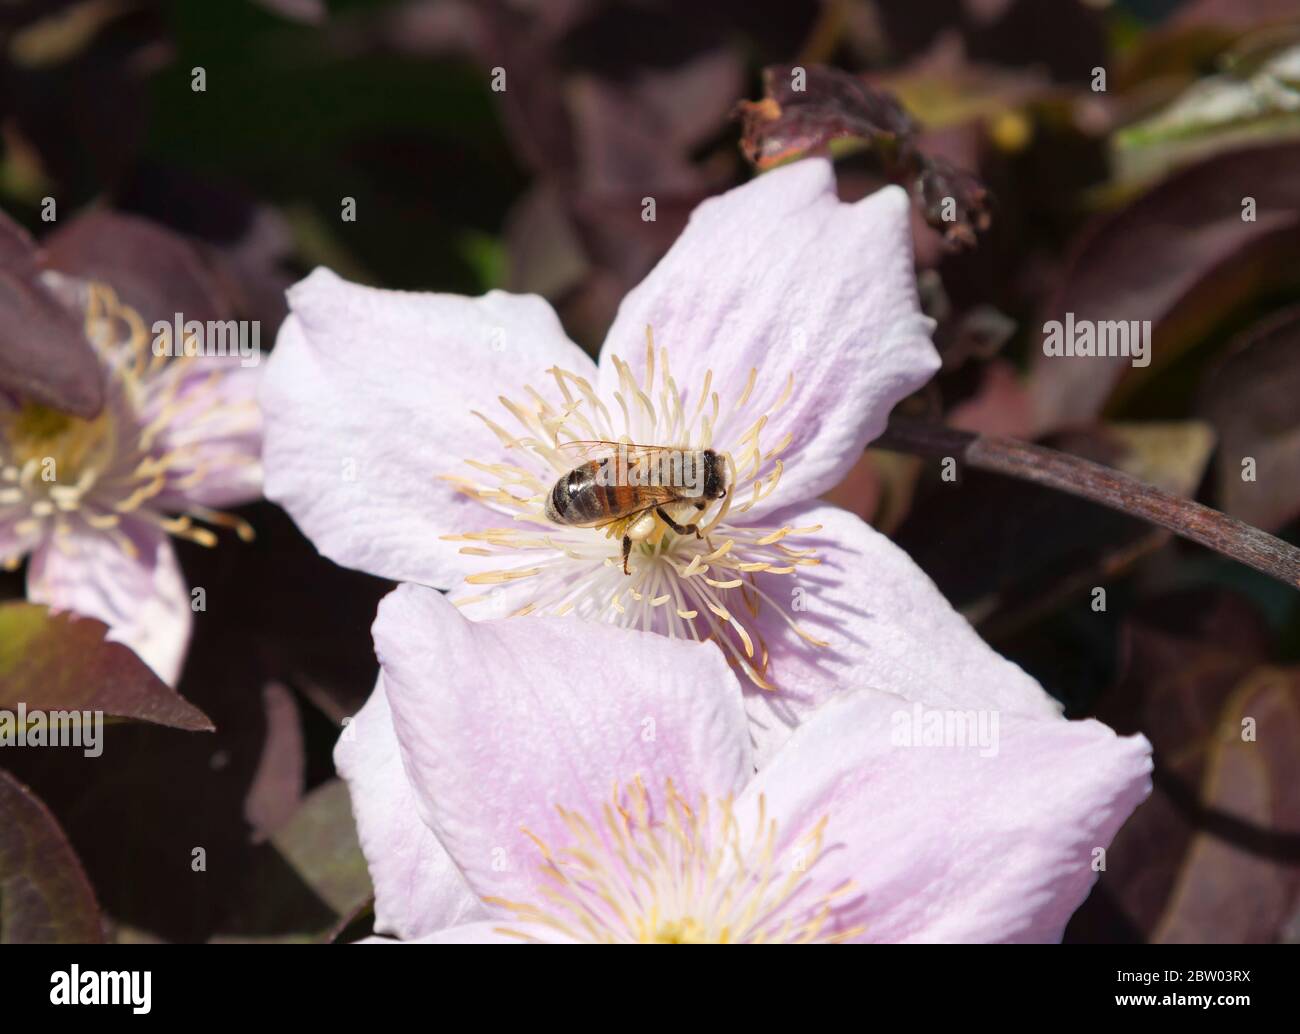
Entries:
{"x":644,"y":527}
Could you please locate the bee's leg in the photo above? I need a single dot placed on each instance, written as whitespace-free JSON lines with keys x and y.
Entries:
{"x":627,"y":552}
{"x":681,"y":529}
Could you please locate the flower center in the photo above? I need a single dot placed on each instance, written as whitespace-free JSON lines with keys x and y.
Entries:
{"x":680,"y":931}
{"x":689,"y":876}
{"x":700,"y":580}
{"x":62,"y":443}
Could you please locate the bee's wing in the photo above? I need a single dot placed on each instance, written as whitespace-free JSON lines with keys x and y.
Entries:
{"x":583,"y":450}
{"x":647,"y":498}
{"x":658,"y":495}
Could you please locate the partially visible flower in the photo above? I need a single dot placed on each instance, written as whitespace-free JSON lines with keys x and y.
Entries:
{"x":93,"y":500}
{"x":418,"y":436}
{"x":565,"y":781}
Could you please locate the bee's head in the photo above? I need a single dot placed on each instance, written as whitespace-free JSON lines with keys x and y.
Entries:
{"x":716,"y":476}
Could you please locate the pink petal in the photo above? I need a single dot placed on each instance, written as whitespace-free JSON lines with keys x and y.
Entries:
{"x":501,"y":721}
{"x":780,"y":277}
{"x":143,"y":599}
{"x":418,"y":889}
{"x":367,"y":399}
{"x":496,"y":931}
{"x":888,"y":627}
{"x":952,"y":843}
{"x":214,"y":426}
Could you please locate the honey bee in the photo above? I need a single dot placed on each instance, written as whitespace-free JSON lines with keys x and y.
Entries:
{"x":625,"y":490}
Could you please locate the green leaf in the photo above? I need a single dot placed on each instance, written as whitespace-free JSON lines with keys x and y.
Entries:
{"x":320,"y":844}
{"x":310,"y":879}
{"x":1213,"y":115}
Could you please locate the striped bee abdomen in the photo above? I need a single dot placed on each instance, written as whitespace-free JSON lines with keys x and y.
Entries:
{"x":578,"y":498}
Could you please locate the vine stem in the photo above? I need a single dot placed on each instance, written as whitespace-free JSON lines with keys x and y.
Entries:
{"x":1099,"y":484}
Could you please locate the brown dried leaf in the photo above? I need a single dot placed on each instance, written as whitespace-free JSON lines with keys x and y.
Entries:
{"x":789,"y":123}
{"x":836,"y":108}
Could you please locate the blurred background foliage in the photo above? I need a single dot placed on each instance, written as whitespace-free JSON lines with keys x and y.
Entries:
{"x":1117,"y":203}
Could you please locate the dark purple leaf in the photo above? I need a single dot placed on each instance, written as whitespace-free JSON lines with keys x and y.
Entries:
{"x":1023,"y":549}
{"x":1180,"y":256}
{"x":1210,"y":857}
{"x":155,"y":271}
{"x":45,"y":897}
{"x":44,"y":354}
{"x":1251,"y":398}
{"x":62,"y":661}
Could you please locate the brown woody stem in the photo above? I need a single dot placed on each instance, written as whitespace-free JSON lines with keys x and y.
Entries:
{"x":1099,"y":484}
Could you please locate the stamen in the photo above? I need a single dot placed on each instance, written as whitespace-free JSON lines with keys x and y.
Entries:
{"x":687,"y":875}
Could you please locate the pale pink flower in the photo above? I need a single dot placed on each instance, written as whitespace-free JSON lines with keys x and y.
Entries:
{"x":558,"y":780}
{"x":94,"y":501}
{"x":417,"y":436}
